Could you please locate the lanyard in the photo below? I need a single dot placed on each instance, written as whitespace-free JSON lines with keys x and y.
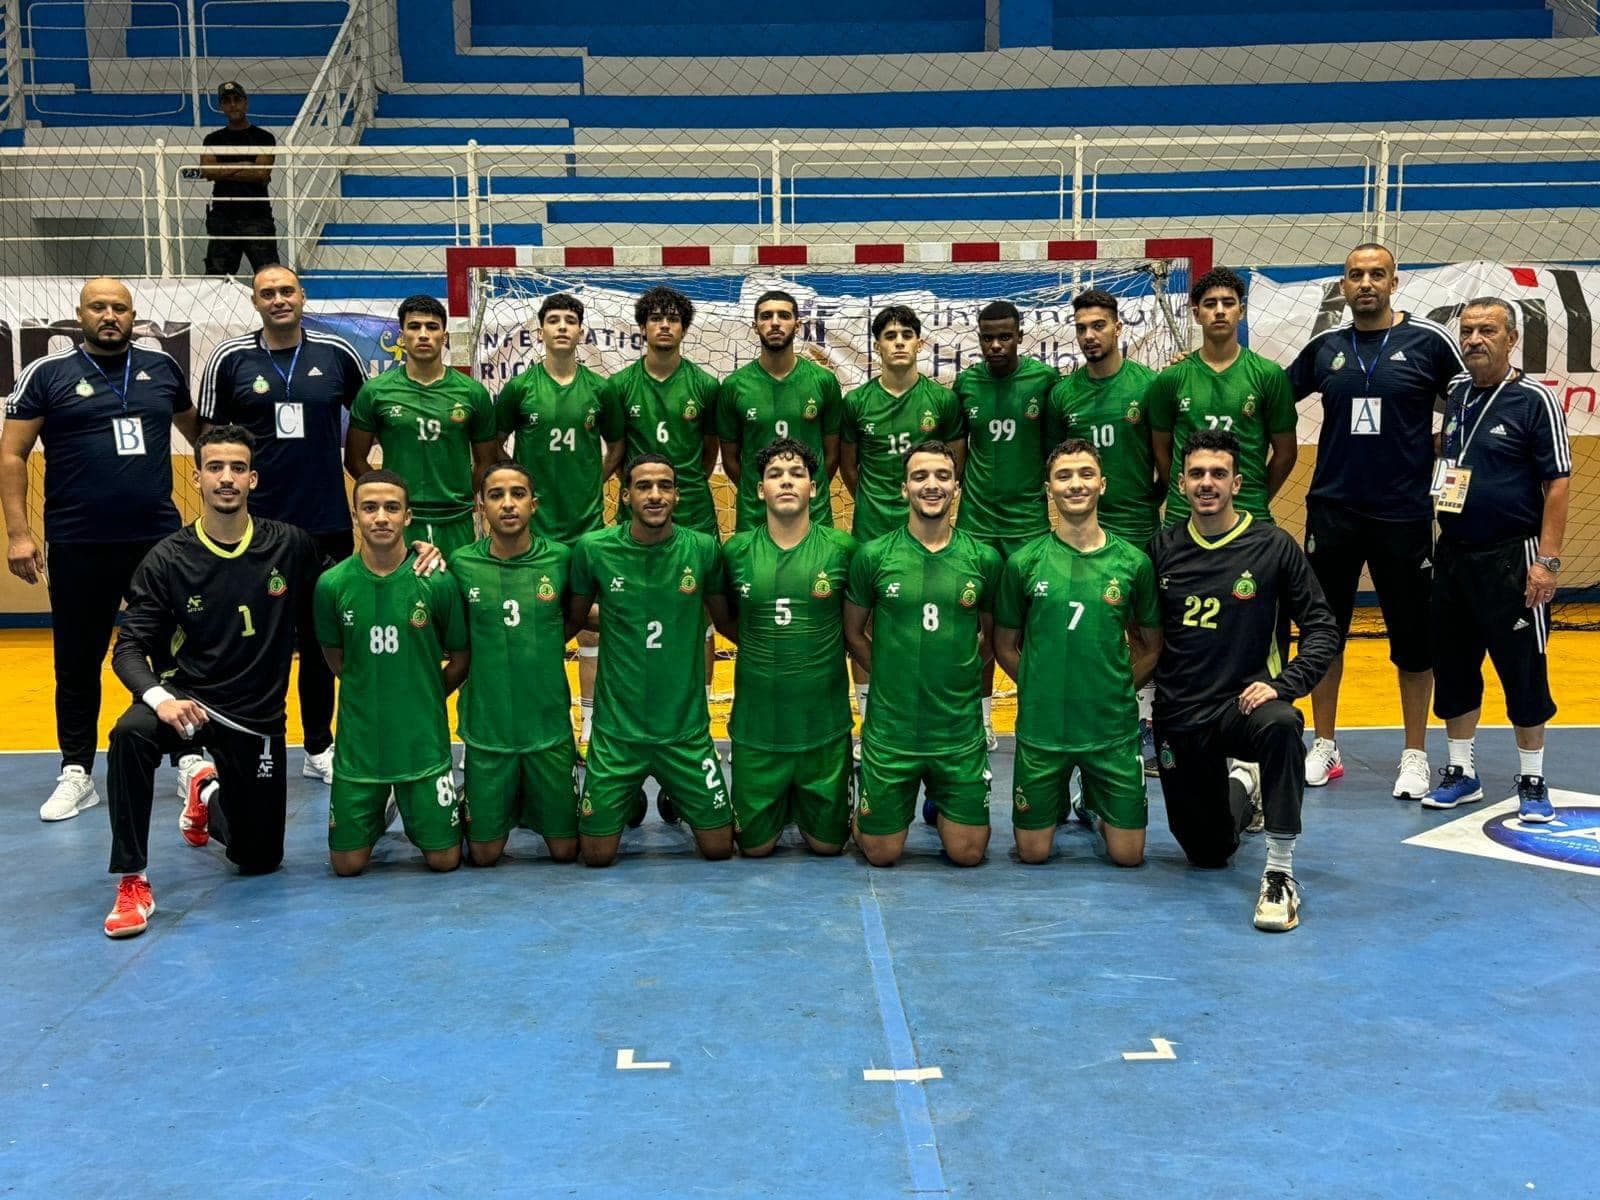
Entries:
{"x":127,"y":374}
{"x":1361,"y":362}
{"x":1461,"y":410}
{"x":288,"y":380}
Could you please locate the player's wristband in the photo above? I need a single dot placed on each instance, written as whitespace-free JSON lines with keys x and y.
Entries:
{"x":155,"y":697}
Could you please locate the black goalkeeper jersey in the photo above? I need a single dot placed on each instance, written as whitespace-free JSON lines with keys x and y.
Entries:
{"x":225,"y":618}
{"x":1220,"y":606}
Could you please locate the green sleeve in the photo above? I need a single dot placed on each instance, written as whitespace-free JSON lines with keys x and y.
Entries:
{"x":1055,"y":416}
{"x":848,"y":417}
{"x":361,"y":414}
{"x":1146,"y":605}
{"x":507,"y":404}
{"x":832,"y":406}
{"x":483,"y":416}
{"x":613,"y":425}
{"x":1160,"y":402}
{"x":991,"y":567}
{"x":716,"y":570}
{"x":1010,"y":606}
{"x":452,"y":612}
{"x":727,"y":411}
{"x":953,"y":421}
{"x":325,"y":613}
{"x":859,"y":590}
{"x":1282,"y":416}
{"x":581,"y":576}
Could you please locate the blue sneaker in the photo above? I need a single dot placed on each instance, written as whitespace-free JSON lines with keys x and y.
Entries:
{"x":1533,"y":800}
{"x":1147,"y":749}
{"x":1455,"y":787}
{"x":930,"y":811}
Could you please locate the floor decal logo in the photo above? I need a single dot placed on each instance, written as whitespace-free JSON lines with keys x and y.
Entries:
{"x":1571,"y":842}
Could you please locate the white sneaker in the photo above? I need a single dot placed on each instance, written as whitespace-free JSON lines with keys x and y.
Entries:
{"x":391,"y":812}
{"x":989,"y":738}
{"x":1323,"y":762}
{"x":188,"y":764}
{"x":1278,"y":903}
{"x":1413,"y":780}
{"x":1249,"y":774}
{"x":73,"y":793}
{"x":319,"y":766}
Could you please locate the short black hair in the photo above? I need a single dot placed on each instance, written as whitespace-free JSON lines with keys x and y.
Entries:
{"x":786,"y":447}
{"x":662,"y":299}
{"x":1096,"y":298}
{"x":233,"y":435}
{"x":424,"y":304}
{"x":896,"y":314}
{"x":642,"y":460}
{"x":928,"y":446}
{"x":777,"y":294}
{"x":561,"y":302}
{"x":1000,"y":310}
{"x":1072,"y":445}
{"x":382,"y":475}
{"x":1217,"y":277}
{"x":505,"y":464}
{"x":1219,"y":440}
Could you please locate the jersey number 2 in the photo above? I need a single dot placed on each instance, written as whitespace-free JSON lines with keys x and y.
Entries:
{"x":1201,"y":612}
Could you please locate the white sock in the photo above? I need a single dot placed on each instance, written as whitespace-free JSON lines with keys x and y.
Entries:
{"x":186,"y":761}
{"x":988,"y":712}
{"x":1461,"y":753}
{"x":1280,"y":852}
{"x":1532,"y":761}
{"x":585,"y":717}
{"x":861,"y":699}
{"x":1147,"y":701}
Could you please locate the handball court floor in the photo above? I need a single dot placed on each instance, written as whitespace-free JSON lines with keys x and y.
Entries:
{"x":815,"y":1028}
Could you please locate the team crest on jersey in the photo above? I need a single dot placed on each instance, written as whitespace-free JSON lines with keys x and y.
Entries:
{"x":84,"y":388}
{"x":810,"y":410}
{"x":277,"y":585}
{"x":822,"y":589}
{"x":969,"y":594}
{"x":587,"y":807}
{"x":928,"y":423}
{"x":1032,"y":411}
{"x":1249,"y":408}
{"x":589,"y":418}
{"x":1167,"y":757}
{"x":1019,"y":800}
{"x":259,"y":387}
{"x":1338,"y":361}
{"x":1133,"y":413}
{"x":419,"y":616}
{"x":688,"y":583}
{"x":547,"y":590}
{"x":1244,"y":587}
{"x":458,"y":413}
{"x":1113,"y":592}
{"x":691,"y":410}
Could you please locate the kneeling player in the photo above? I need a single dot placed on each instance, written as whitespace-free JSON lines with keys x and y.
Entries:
{"x":653,"y":580}
{"x":1071,"y":602}
{"x":1222,"y":687}
{"x":515,"y":705}
{"x":929,"y":591}
{"x":384,"y":630}
{"x":791,"y":698}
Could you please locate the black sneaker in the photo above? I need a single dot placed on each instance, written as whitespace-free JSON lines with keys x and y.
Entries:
{"x":666,"y":808}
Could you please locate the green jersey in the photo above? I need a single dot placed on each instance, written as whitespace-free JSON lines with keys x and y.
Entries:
{"x":882,"y":428}
{"x":927,"y":679}
{"x":673,"y":417}
{"x":393,"y":631}
{"x":1251,"y":399}
{"x":1075,"y":607}
{"x":516,"y":696}
{"x":651,"y":679}
{"x":427,"y":432}
{"x":557,"y":427}
{"x":754,"y":409}
{"x":1002,"y":492}
{"x":1113,"y":414}
{"x":790,"y":691}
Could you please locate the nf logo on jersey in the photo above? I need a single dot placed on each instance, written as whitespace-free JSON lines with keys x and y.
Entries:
{"x":688,"y":584}
{"x":474,"y":595}
{"x":196,"y":603}
{"x":616,"y":583}
{"x":259,"y":387}
{"x":1249,"y":408}
{"x":892,"y":590}
{"x":84,"y":388}
{"x":749,"y":414}
{"x":546,"y":590}
{"x":533,"y":419}
{"x":1113,"y":592}
{"x":810,"y":410}
{"x":969,"y":594}
{"x":264,"y":766}
{"x":691,"y":410}
{"x":348,"y":617}
{"x":1133,"y":413}
{"x":458,"y":413}
{"x":419,"y":616}
{"x":1338,"y":361}
{"x":633,"y":410}
{"x":822,"y":589}
{"x":277,"y":585}
{"x":1183,"y":404}
{"x":744,"y":591}
{"x":928,"y":423}
{"x":1244,"y":587}
{"x":394,"y":410}
{"x":1041,"y":588}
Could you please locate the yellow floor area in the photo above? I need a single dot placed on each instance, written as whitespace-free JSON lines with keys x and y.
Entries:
{"x":1368,"y":696}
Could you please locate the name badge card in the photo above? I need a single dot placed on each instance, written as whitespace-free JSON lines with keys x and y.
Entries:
{"x":127,"y":434}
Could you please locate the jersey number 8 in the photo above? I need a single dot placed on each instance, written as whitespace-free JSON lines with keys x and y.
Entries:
{"x":930,"y":617}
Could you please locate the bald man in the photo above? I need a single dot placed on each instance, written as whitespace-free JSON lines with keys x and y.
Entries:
{"x":106,"y":409}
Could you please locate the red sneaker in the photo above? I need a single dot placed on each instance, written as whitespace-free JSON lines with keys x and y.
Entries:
{"x":194,"y":822}
{"x":130,"y":915}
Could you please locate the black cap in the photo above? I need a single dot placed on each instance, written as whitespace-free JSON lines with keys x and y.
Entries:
{"x":231,"y":88}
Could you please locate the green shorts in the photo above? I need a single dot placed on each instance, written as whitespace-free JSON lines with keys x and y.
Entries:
{"x":957,"y":783}
{"x":689,"y":771}
{"x":448,"y":536}
{"x":1113,"y":785}
{"x":809,"y":787}
{"x":537,"y":789}
{"x":429,"y":809}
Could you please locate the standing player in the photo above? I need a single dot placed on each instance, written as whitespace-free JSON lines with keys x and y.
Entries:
{"x":1222,"y":687}
{"x":106,"y":409}
{"x":1227,"y":388}
{"x":554,"y":409}
{"x":384,"y":630}
{"x":290,"y":387}
{"x":1105,"y":401}
{"x":1503,"y":492}
{"x":515,"y":705}
{"x":929,"y":591}
{"x":1081,"y":596}
{"x":778,"y":394}
{"x":791,"y":699}
{"x":1004,"y":400}
{"x":1380,"y":375}
{"x":228,"y":592}
{"x":436,"y":427}
{"x":653,"y":581}
{"x":882,"y":419}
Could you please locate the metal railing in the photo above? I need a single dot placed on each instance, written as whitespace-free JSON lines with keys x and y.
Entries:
{"x":11,"y":106}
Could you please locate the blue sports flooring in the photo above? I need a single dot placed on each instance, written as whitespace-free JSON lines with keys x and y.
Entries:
{"x":1429,"y":1031}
